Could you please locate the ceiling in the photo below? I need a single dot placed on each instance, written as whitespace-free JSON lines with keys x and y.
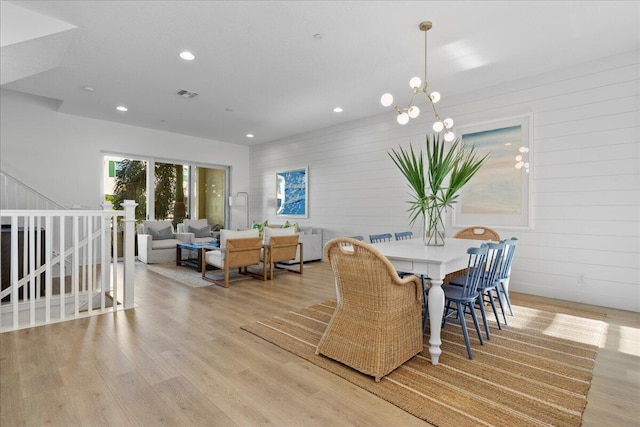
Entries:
{"x":278,"y":68}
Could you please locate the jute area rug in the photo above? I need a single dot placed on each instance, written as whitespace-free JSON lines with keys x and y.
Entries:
{"x":535,"y":372}
{"x":187,"y":275}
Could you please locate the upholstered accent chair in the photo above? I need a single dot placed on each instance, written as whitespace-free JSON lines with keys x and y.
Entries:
{"x":157,"y":241}
{"x":282,"y":249}
{"x":238,"y":249}
{"x":199,"y":228}
{"x":376,"y":326}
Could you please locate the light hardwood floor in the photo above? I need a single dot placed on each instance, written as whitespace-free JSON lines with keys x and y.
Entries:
{"x":180,"y":359}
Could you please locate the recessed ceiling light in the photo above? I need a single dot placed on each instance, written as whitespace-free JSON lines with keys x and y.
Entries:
{"x":337,"y":110}
{"x":249,"y":135}
{"x":187,"y":56}
{"x":122,"y":108}
{"x":88,"y":88}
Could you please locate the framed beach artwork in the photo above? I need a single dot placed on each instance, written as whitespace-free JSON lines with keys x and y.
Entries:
{"x":499,"y":194}
{"x":292,"y":195}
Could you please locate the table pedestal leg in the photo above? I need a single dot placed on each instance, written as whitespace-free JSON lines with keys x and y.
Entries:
{"x":436,"y":311}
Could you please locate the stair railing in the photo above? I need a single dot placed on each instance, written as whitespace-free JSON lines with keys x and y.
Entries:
{"x":63,"y":264}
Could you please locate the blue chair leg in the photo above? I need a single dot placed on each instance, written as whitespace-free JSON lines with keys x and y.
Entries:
{"x":504,"y":292}
{"x":493,"y":306}
{"x":465,"y":333}
{"x":484,"y":317}
{"x":504,"y":315}
{"x":475,"y":322}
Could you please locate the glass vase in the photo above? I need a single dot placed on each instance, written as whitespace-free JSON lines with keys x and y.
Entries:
{"x":433,"y":231}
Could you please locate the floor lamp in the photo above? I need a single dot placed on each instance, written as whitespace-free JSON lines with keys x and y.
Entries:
{"x":241,"y":201}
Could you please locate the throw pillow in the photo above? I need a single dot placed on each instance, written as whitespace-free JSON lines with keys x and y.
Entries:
{"x":200,"y":232}
{"x":162,"y":233}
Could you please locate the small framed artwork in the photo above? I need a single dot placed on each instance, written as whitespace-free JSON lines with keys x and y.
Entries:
{"x":499,"y":194}
{"x":292,"y":193}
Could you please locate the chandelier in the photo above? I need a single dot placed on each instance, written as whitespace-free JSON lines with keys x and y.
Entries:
{"x":417,"y":86}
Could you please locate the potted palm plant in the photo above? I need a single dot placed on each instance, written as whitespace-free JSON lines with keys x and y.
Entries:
{"x":435,"y":185}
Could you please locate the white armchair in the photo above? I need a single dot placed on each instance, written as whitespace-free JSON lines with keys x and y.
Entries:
{"x":238,"y":249}
{"x":199,"y":229}
{"x":157,"y":241}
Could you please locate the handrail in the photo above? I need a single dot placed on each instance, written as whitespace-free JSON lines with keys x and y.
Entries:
{"x":5,"y":179}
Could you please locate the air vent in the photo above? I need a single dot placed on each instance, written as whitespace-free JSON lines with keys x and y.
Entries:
{"x":186,"y":94}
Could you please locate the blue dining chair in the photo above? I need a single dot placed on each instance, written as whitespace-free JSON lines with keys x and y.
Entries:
{"x":488,"y":284}
{"x":505,"y":273}
{"x":461,"y":300}
{"x":358,"y":238}
{"x":377,"y":238}
{"x":404,"y":235}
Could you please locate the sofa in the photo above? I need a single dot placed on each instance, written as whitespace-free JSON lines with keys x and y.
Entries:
{"x":157,"y":241}
{"x":311,"y":239}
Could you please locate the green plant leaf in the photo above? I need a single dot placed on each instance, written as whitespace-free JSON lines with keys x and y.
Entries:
{"x":447,"y":171}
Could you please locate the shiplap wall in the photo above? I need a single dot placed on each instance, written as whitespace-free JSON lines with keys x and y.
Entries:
{"x":585,"y":190}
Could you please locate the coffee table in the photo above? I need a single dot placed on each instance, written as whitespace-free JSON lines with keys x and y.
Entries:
{"x":199,"y":248}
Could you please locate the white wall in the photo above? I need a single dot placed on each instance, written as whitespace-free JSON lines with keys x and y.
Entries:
{"x":586,"y":178}
{"x":60,"y":155}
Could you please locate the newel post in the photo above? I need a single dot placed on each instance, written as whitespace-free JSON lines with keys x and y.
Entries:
{"x":129,"y":251}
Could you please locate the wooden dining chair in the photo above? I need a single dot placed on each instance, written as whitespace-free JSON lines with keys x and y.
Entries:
{"x":477,"y":232}
{"x":488,"y":284}
{"x":505,"y":273}
{"x":461,"y":300}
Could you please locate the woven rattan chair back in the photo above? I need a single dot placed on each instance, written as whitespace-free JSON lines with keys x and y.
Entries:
{"x":377,"y":323}
{"x":478,"y":233}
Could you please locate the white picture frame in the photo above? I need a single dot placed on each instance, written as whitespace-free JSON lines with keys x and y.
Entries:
{"x":499,"y":195}
{"x":292,"y":193}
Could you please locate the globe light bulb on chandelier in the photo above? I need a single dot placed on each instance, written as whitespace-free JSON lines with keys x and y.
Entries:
{"x":417,"y":86}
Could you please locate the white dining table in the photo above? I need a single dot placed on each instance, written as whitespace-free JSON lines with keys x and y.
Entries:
{"x":434,"y":262}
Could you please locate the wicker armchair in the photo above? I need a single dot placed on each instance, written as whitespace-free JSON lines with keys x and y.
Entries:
{"x":377,"y":323}
{"x":477,"y":232}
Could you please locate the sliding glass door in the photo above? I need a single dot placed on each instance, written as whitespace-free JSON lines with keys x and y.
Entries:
{"x":209,"y":196}
{"x":166,"y":190}
{"x":126,"y":179}
{"x":172,"y":183}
